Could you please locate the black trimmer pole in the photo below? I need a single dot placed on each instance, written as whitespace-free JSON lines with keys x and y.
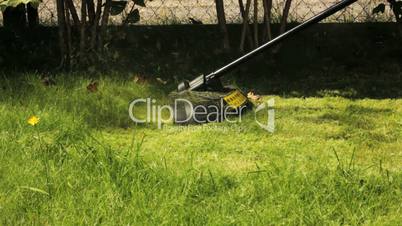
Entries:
{"x":204,"y":80}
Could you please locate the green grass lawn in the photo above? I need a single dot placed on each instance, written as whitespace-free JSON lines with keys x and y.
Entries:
{"x":330,"y":161}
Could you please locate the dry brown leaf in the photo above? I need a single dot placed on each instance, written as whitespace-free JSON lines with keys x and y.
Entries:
{"x":252,"y":96}
{"x":92,"y":87}
{"x":139,"y":79}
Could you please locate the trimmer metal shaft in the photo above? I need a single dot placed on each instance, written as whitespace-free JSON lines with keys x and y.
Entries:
{"x":205,"y":80}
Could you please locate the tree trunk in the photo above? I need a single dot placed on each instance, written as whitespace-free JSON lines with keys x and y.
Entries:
{"x":91,"y":11}
{"x":74,"y":13}
{"x":243,"y":13}
{"x":82,"y":30}
{"x":68,"y":35}
{"x":61,"y":30}
{"x":15,"y":17}
{"x":397,"y":10}
{"x":284,"y":20}
{"x":95,"y":25}
{"x":267,"y":19}
{"x":256,"y":23}
{"x":104,"y":22}
{"x":285,"y":16}
{"x":245,"y":25}
{"x":220,"y":12}
{"x":33,"y":16}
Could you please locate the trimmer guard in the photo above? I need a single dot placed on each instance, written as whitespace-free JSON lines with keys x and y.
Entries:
{"x":195,"y":107}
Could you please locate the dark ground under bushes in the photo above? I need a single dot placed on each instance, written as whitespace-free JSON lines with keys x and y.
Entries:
{"x":351,"y":60}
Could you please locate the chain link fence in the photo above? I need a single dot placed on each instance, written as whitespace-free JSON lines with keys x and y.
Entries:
{"x":167,"y":12}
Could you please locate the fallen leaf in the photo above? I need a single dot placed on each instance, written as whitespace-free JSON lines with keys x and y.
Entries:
{"x":139,"y":79}
{"x":92,"y":87}
{"x":252,"y":96}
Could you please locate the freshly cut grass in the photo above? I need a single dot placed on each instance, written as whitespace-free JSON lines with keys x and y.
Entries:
{"x":330,"y":161}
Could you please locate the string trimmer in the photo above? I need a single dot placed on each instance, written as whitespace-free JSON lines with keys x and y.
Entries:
{"x":205,"y":99}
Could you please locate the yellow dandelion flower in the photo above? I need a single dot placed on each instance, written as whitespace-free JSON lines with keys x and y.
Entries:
{"x":33,"y":120}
